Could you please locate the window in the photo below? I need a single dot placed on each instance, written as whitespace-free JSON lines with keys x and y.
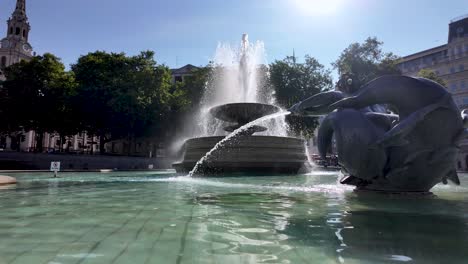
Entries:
{"x":461,"y":67}
{"x":18,"y":30}
{"x":24,"y":33}
{"x":453,"y":87}
{"x":3,"y":62}
{"x":452,"y":70}
{"x":463,"y":84}
{"x":11,"y":30}
{"x":178,"y":78}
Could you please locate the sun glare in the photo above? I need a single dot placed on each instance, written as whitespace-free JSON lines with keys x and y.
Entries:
{"x":317,"y":7}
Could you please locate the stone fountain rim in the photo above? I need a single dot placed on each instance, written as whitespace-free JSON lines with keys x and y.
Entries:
{"x":255,"y":136}
{"x":215,"y":109}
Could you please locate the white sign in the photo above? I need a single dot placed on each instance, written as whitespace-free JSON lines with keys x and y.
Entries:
{"x":55,"y":166}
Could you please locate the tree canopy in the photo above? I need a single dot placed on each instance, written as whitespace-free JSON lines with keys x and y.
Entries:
{"x":116,"y":96}
{"x":294,"y":82}
{"x":36,"y":96}
{"x":124,"y":96}
{"x":194,"y":85}
{"x":431,"y":75}
{"x":366,"y":61}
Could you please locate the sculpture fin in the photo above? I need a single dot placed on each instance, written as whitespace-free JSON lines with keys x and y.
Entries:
{"x":348,"y":102}
{"x":318,"y":104}
{"x":351,"y":180}
{"x":382,"y":120}
{"x":444,"y":180}
{"x":412,"y":156}
{"x":394,"y":142}
{"x":405,"y":126}
{"x":463,"y":134}
{"x":441,"y":155}
{"x":399,"y":170}
{"x":325,"y":135}
{"x":453,"y":177}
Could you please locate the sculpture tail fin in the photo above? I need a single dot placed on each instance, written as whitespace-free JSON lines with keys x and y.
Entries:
{"x":325,"y":135}
{"x":453,"y":177}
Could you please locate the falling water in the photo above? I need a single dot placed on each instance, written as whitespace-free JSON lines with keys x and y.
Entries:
{"x":239,"y":75}
{"x":233,"y":135}
{"x":310,"y":162}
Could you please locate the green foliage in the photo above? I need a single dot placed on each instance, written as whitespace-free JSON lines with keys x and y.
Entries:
{"x":124,"y":97}
{"x":294,"y":82}
{"x":36,"y":95}
{"x":194,"y":85}
{"x":431,"y":75}
{"x":366,"y":61}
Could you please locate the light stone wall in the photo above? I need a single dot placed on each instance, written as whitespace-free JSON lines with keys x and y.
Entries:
{"x":450,"y":62}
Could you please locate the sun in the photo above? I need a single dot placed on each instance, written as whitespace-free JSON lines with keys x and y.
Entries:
{"x":317,"y":7}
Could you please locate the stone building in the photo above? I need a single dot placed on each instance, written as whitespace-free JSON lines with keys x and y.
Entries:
{"x":15,"y":46}
{"x":450,"y":62}
{"x":13,"y":49}
{"x":179,"y":75}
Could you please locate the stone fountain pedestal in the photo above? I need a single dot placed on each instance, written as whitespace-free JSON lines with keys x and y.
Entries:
{"x":247,"y":154}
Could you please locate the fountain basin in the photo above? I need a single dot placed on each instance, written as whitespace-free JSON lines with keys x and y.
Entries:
{"x":242,"y":113}
{"x":259,"y":154}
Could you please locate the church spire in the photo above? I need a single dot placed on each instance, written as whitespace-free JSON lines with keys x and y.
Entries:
{"x":15,"y":46}
{"x":20,"y":10}
{"x":18,"y":25}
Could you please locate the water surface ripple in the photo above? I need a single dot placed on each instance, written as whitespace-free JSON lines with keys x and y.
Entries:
{"x":161,"y":217}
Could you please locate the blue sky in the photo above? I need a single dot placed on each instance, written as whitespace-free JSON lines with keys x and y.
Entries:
{"x":187,"y":31}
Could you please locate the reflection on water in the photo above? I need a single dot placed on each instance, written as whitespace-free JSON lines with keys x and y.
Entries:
{"x":155,"y":218}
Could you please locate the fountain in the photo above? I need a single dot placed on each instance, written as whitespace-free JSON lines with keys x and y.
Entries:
{"x":249,"y":151}
{"x":410,"y":151}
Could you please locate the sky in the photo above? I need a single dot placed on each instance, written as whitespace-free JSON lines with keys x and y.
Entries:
{"x":188,"y":31}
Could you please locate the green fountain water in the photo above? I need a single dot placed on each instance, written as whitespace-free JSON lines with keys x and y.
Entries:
{"x":162,"y":218}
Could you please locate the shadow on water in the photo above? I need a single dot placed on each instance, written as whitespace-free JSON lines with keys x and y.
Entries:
{"x":371,"y":228}
{"x":377,"y":228}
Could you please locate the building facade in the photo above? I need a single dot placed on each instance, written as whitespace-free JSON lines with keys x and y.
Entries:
{"x":15,"y":46}
{"x":450,"y":62}
{"x":179,"y":75}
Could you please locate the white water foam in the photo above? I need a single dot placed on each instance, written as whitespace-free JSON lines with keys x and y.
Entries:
{"x":239,"y":75}
{"x":317,"y":188}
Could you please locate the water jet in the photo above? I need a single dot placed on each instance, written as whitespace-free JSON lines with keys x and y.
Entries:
{"x":248,"y":150}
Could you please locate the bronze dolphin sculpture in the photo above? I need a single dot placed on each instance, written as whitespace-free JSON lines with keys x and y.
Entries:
{"x":411,"y":150}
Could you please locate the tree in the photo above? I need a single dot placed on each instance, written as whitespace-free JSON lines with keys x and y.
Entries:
{"x":431,"y":75}
{"x":195,"y":84}
{"x":366,"y":61}
{"x":124,"y":97}
{"x":294,"y":82}
{"x":36,"y":96}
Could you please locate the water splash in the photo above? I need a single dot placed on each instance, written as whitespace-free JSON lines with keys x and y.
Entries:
{"x":231,"y":136}
{"x":310,"y":162}
{"x":239,"y":75}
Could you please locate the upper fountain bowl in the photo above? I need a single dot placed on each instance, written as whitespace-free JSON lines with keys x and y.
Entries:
{"x":242,"y":113}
